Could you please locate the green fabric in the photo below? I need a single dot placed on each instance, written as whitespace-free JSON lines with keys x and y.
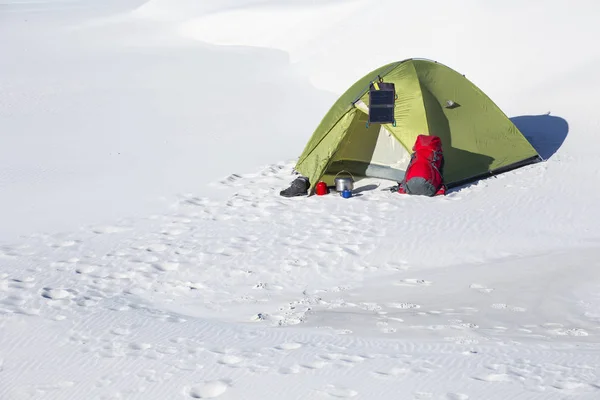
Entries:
{"x":409,"y":110}
{"x":314,"y":167}
{"x":318,"y":150}
{"x":477,"y":136}
{"x":359,"y":142}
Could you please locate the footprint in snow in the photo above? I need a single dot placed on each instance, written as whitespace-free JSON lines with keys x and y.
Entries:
{"x":289,"y":346}
{"x":21,"y":283}
{"x":423,"y":395}
{"x":107,"y":229}
{"x":393,"y":372}
{"x":315,"y":364}
{"x":481,"y":288}
{"x":64,"y":243}
{"x":85,"y":269}
{"x":156,"y":248}
{"x":457,"y":396}
{"x":493,"y":378}
{"x":502,"y":306}
{"x":57,"y":294}
{"x":207,"y":390}
{"x":568,"y":332}
{"x":413,"y":282}
{"x":339,"y":391}
{"x":403,"y":306}
{"x":294,"y":369}
{"x":230,"y":360}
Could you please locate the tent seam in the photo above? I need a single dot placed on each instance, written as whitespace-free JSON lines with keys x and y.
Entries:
{"x":325,"y":135}
{"x":422,"y":98}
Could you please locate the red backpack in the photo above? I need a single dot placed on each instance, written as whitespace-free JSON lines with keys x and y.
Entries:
{"x":424,"y":173}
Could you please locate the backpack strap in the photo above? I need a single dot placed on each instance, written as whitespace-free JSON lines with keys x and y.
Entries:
{"x":435,"y":159}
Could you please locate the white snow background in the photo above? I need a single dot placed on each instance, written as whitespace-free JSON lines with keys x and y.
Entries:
{"x":145,"y":252}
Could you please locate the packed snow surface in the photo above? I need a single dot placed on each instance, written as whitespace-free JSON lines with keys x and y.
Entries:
{"x":145,"y":252}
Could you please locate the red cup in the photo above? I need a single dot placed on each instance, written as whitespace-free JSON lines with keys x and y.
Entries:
{"x":321,"y":188}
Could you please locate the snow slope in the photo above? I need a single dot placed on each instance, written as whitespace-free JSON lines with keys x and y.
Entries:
{"x":115,"y":120}
{"x":145,"y":251}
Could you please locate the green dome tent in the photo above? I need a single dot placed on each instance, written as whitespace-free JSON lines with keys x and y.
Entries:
{"x":432,"y":99}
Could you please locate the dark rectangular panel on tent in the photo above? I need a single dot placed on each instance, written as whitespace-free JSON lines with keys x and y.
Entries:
{"x":381,"y":103}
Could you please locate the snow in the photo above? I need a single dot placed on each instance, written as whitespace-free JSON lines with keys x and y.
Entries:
{"x":145,"y":251}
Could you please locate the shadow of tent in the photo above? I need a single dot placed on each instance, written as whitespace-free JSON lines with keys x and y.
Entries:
{"x":458,"y":163}
{"x":546,"y":133}
{"x":468,"y":161}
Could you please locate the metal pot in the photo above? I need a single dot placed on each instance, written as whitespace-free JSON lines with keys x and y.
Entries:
{"x":344,"y":183}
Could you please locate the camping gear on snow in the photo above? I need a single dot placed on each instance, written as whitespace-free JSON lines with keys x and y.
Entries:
{"x":382,"y":96}
{"x":424,"y":174}
{"x":321,"y":188}
{"x":343,"y":183}
{"x":478,"y":138}
{"x":346,"y":193}
{"x":299,"y":187}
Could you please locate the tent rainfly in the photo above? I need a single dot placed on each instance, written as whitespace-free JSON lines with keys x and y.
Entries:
{"x":430,"y":98}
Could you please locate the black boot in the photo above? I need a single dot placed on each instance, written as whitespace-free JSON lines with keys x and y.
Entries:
{"x":299,"y":187}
